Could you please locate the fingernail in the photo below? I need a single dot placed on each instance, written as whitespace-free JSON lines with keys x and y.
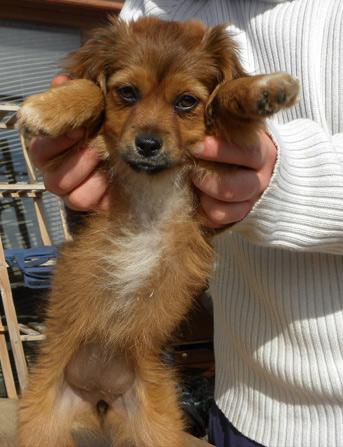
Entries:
{"x":75,"y":134}
{"x":60,"y":79}
{"x":210,"y":141}
{"x":197,"y":149}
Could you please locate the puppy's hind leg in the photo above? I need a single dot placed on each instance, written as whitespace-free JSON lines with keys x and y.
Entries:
{"x":148,"y":414}
{"x":59,"y":419}
{"x":51,"y":411}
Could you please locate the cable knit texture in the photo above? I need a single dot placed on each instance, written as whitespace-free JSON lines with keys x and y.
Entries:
{"x":277,"y":286}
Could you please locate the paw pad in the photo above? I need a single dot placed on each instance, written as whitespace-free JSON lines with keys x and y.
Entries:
{"x":276,"y":91}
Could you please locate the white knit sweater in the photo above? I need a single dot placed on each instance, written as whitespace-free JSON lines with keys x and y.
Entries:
{"x":278,"y":285}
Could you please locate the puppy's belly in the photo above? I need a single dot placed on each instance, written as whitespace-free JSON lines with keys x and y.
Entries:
{"x":96,"y":375}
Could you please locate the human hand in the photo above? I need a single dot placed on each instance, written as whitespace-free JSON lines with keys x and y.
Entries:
{"x":242,"y":176}
{"x":77,"y":180}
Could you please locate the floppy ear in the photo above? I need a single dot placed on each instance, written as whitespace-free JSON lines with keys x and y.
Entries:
{"x":218,"y":42}
{"x":92,"y":61}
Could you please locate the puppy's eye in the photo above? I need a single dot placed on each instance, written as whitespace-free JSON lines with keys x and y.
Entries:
{"x":185,"y":103}
{"x":128,"y":94}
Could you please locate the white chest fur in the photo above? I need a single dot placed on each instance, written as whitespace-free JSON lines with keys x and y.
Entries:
{"x":135,"y":253}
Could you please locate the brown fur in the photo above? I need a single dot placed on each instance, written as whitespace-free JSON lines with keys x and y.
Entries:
{"x":99,"y":369}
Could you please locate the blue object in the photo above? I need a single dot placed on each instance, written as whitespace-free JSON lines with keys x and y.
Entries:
{"x":31,"y":262}
{"x":223,"y":434}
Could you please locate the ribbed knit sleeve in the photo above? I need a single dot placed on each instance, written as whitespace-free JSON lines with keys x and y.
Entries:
{"x":132,"y":10}
{"x":302,"y":209}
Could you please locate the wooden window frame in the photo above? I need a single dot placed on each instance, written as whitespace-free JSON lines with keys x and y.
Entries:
{"x":82,"y":14}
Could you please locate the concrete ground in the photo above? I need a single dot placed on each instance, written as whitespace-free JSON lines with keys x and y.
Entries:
{"x":8,"y":424}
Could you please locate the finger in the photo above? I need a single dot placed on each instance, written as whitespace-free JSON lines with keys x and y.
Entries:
{"x":222,"y":151}
{"x":59,"y":79}
{"x":72,"y":172}
{"x":221,"y":213}
{"x":44,"y":149}
{"x":231,"y":184}
{"x":90,"y":194}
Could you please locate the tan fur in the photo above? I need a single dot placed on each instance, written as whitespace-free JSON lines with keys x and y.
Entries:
{"x":123,"y":285}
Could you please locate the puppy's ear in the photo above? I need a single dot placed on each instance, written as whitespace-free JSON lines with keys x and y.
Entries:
{"x":95,"y":58}
{"x":222,"y":48}
{"x":219,"y":43}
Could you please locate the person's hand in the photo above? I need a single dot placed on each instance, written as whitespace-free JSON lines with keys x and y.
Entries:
{"x":242,"y":176}
{"x":77,"y":180}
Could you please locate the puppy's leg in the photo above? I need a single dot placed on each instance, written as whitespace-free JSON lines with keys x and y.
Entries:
{"x":238,"y":108}
{"x":45,"y":417}
{"x":57,"y":417}
{"x":50,"y":411}
{"x":77,"y":103}
{"x":258,"y":96}
{"x":148,"y":414}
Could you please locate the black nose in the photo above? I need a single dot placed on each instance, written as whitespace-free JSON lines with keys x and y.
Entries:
{"x":148,"y":145}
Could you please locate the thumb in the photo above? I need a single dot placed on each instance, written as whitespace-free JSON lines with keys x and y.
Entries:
{"x":59,"y":79}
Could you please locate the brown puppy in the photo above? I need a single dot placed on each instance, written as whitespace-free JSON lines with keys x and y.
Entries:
{"x":127,"y":280}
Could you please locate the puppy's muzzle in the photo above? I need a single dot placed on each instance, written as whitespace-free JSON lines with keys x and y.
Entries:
{"x":148,"y":145}
{"x":148,"y":154}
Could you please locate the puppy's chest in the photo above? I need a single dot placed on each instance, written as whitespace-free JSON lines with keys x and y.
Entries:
{"x":136,"y":255}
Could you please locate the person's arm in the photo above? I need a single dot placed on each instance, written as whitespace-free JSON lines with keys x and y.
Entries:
{"x":302,"y":206}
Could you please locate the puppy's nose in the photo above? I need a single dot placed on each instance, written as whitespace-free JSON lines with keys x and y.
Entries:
{"x":148,"y":145}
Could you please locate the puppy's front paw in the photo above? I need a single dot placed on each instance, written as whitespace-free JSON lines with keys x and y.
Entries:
{"x":271,"y":93}
{"x":35,"y":115}
{"x":61,"y":109}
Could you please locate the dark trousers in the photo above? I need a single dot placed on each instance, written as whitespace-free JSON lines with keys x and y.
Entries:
{"x":224,"y":434}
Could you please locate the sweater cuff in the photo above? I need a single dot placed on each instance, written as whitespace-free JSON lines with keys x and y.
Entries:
{"x":302,"y":208}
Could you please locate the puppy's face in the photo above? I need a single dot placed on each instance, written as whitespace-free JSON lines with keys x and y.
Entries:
{"x":155,"y":122}
{"x":158,"y":78}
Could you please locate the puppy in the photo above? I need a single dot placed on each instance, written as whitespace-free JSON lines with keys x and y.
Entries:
{"x":147,"y":92}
